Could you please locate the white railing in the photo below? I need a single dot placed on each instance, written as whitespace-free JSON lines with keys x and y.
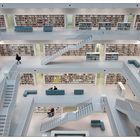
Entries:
{"x":2,"y":87}
{"x":55,"y":121}
{"x":72,"y":116}
{"x":133,"y":82}
{"x":12,"y":70}
{"x":26,"y":121}
{"x":13,"y":101}
{"x":10,"y":109}
{"x":106,"y":108}
{"x":46,"y":60}
{"x":127,"y":108}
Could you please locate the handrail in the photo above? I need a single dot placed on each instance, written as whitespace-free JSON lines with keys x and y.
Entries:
{"x":79,"y":45}
{"x":2,"y":87}
{"x":133,"y":78}
{"x":66,"y":117}
{"x":127,"y":107}
{"x":82,"y":103}
{"x":11,"y":105}
{"x":28,"y":113}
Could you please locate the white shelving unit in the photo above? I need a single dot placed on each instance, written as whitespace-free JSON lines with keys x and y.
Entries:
{"x":138,"y":26}
{"x":90,"y":56}
{"x":124,"y":25}
{"x":104,"y":26}
{"x":109,"y":56}
{"x":85,"y":25}
{"x":121,"y":89}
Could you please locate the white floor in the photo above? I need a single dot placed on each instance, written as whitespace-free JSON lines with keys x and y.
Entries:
{"x":82,"y":124}
{"x":89,"y":89}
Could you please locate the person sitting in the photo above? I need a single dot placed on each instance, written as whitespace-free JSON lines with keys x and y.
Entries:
{"x":55,"y":88}
{"x":50,"y":88}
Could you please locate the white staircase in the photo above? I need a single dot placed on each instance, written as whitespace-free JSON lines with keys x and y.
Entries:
{"x":3,"y":117}
{"x":83,"y":110}
{"x":8,"y":95}
{"x":48,"y":59}
{"x":131,"y":109}
{"x":8,"y":100}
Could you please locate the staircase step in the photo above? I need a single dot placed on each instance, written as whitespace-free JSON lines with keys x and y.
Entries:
{"x":10,"y":85}
{"x":2,"y":115}
{"x":6,"y":103}
{"x":2,"y":122}
{"x":8,"y":96}
{"x":2,"y":119}
{"x":5,"y":106}
{"x":7,"y":99}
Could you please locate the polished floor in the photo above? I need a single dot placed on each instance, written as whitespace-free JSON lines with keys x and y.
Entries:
{"x":90,"y":90}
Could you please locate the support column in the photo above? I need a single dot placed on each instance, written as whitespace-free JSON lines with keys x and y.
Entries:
{"x":10,"y":23}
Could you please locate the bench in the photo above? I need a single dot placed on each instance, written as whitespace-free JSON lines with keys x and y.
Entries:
{"x":97,"y":123}
{"x":23,"y":29}
{"x":55,"y":92}
{"x":27,"y":92}
{"x":78,"y":92}
{"x":48,"y":28}
{"x":134,"y":62}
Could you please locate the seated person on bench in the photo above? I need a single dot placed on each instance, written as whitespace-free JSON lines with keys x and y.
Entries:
{"x":50,"y":88}
{"x":55,"y":88}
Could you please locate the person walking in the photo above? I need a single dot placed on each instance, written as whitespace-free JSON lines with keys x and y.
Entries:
{"x":18,"y":58}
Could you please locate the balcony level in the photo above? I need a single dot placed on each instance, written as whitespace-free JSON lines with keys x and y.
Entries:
{"x":72,"y":35}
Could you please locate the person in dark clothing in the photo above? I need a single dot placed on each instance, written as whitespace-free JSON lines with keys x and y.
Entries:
{"x":55,"y":88}
{"x":18,"y":58}
{"x":50,"y":88}
{"x":52,"y":112}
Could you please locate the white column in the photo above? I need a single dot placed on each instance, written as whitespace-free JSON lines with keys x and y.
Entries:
{"x":126,"y":18}
{"x":133,"y":23}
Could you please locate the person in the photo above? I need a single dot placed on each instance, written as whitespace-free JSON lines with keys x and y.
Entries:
{"x":52,"y":112}
{"x":55,"y":88}
{"x":18,"y":58}
{"x":50,"y":88}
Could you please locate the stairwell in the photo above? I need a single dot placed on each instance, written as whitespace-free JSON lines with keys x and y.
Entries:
{"x":82,"y":111}
{"x":8,"y":100}
{"x":48,"y":59}
{"x":130,"y":108}
{"x":2,"y":120}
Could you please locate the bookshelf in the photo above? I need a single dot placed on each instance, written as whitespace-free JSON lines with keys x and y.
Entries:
{"x":111,"y":56}
{"x":2,"y":23}
{"x":137,"y":20}
{"x":124,"y":25}
{"x":85,"y":25}
{"x":41,"y":109}
{"x":53,"y":48}
{"x":138,"y":26}
{"x":12,"y":49}
{"x":124,"y":49}
{"x":40,"y":20}
{"x":104,"y":25}
{"x":71,"y":78}
{"x":27,"y":79}
{"x":95,"y":19}
{"x":114,"y":78}
{"x":90,"y":56}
